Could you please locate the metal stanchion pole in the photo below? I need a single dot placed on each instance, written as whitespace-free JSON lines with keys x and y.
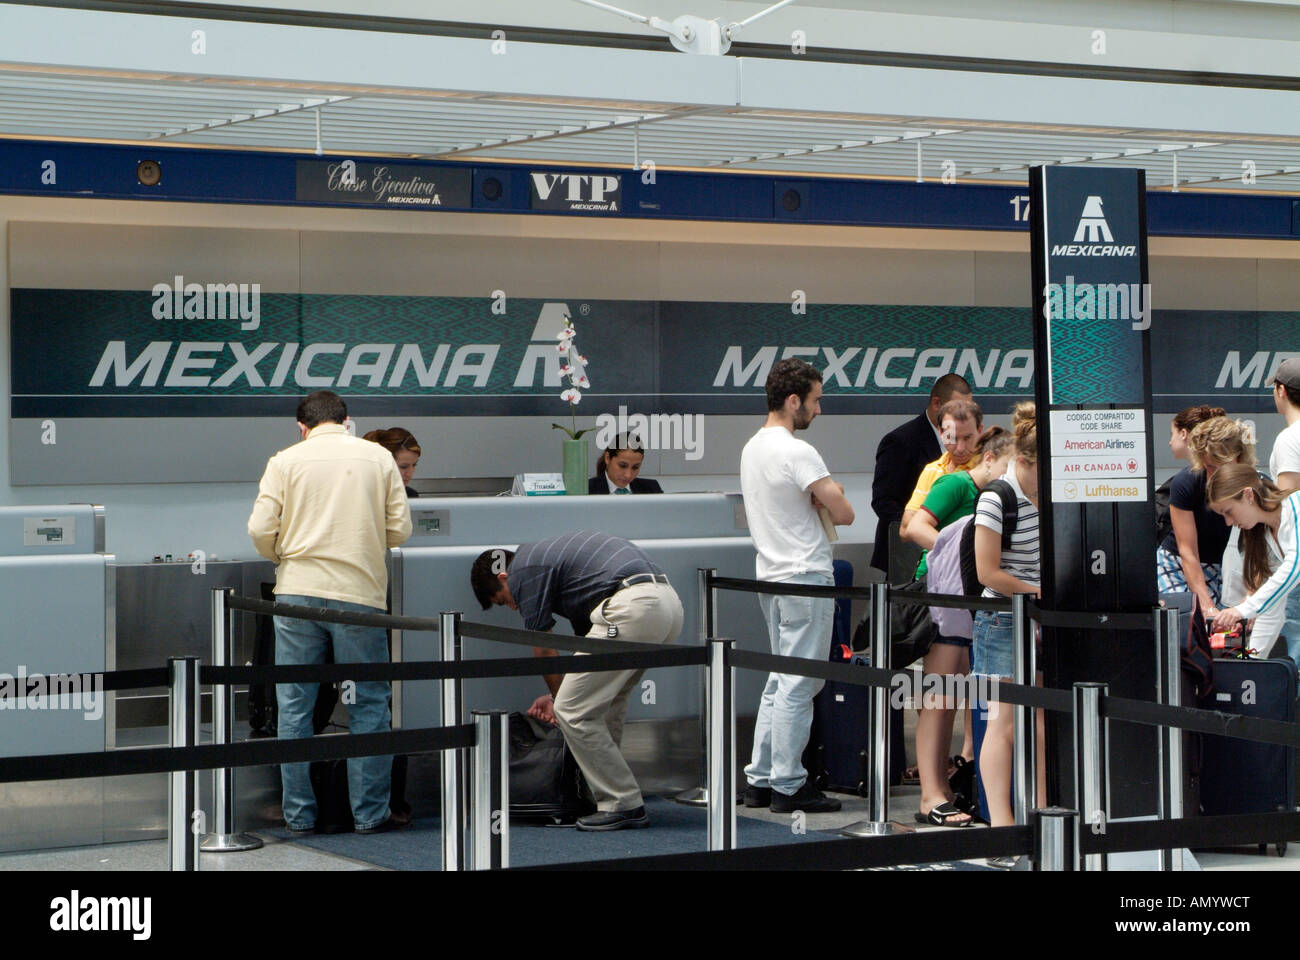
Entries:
{"x":1024,"y":671}
{"x":721,"y":682}
{"x":223,"y":839}
{"x":1091,"y":787}
{"x":707,"y":618}
{"x":1169,"y":692}
{"x":183,"y":795}
{"x":878,"y":728}
{"x":454,"y":827}
{"x":1055,"y":838}
{"x":489,"y":797}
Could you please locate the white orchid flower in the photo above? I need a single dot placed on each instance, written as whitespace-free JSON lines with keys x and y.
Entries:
{"x":571,"y":395}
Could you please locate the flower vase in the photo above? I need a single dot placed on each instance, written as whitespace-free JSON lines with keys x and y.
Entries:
{"x":577,"y":458}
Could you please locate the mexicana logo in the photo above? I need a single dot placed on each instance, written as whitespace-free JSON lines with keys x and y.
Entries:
{"x":1093,"y":223}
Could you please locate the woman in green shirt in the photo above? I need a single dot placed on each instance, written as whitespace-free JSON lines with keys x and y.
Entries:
{"x":952,"y":497}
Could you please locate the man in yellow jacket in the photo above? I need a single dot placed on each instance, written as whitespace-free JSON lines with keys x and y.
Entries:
{"x":327,"y":511}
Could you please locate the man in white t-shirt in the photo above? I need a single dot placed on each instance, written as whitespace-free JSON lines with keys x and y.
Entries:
{"x":785,"y":481}
{"x":1284,"y":465}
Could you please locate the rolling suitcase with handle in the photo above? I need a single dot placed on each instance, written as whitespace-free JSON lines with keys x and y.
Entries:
{"x":1243,"y":776}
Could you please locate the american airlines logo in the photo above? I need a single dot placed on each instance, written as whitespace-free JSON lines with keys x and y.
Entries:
{"x":1092,"y":237}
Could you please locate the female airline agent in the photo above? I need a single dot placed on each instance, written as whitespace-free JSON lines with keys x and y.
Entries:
{"x":617,"y":469}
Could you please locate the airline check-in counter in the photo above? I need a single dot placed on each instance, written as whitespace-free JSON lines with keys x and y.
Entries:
{"x":69,"y":607}
{"x":680,"y":532}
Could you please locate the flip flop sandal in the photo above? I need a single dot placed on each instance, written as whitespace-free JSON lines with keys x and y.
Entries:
{"x":938,"y":816}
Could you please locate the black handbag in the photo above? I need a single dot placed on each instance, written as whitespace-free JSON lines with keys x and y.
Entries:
{"x":911,"y":629}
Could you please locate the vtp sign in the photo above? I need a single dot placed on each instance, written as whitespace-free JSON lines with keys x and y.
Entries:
{"x":578,"y":192}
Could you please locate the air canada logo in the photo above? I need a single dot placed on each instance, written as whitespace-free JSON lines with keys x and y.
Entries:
{"x":1093,"y":237}
{"x":1093,"y":224}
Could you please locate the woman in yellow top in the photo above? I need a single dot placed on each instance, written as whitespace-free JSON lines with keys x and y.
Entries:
{"x":960,"y":423}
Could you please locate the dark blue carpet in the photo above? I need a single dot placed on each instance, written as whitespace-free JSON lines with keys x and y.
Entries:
{"x":674,"y":828}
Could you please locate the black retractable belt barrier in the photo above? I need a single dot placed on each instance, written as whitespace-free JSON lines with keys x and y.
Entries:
{"x":535,"y":638}
{"x":352,"y":617}
{"x":935,"y":846}
{"x":781,"y":589}
{"x":1038,"y":697}
{"x":1218,"y":831}
{"x":1202,"y":721}
{"x":76,"y":766}
{"x":908,"y":598}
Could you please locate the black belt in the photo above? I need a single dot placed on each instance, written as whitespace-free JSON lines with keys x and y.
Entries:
{"x":637,"y":578}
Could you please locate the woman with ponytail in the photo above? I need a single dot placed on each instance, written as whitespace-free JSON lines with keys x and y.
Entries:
{"x":1269,"y":522}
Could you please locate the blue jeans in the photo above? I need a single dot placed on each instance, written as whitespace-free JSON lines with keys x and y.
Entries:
{"x":1291,"y":626}
{"x":305,"y":641}
{"x":796,"y":627}
{"x":991,"y":653}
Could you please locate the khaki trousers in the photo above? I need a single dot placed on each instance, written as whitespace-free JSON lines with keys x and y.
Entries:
{"x":590,"y":707}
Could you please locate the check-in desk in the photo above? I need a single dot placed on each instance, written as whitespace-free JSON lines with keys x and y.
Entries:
{"x":56,"y":594}
{"x":680,"y":532}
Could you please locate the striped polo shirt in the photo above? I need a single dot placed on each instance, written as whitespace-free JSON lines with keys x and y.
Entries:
{"x":569,"y":575}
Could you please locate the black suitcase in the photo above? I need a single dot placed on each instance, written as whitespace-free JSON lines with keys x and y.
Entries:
{"x":1243,"y":776}
{"x":837,"y":757}
{"x":546,"y":785}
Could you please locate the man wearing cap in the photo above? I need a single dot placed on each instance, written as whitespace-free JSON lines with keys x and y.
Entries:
{"x":1284,"y":465}
{"x":607,"y":588}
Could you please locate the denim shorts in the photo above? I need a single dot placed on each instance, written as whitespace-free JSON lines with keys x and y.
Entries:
{"x":991,"y":653}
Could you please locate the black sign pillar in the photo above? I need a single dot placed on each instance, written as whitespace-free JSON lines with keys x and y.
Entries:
{"x":1092,"y":385}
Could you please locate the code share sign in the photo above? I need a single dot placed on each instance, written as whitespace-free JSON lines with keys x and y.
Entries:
{"x":1098,"y":456}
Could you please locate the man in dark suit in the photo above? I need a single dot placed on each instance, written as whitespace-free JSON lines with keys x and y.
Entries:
{"x":617,"y":469}
{"x":900,"y":458}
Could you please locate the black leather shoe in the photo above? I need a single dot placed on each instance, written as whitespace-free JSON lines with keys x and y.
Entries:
{"x":809,"y":799}
{"x":757,"y":796}
{"x":615,"y":820}
{"x":304,"y":832}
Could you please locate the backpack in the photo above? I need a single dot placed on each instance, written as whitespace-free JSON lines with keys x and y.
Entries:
{"x":970,"y":581}
{"x":1164,"y":523}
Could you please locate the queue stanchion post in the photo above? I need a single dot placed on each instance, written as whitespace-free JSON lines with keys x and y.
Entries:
{"x":183,"y":795}
{"x":878,"y":726}
{"x":707,"y":620}
{"x":1169,"y":671}
{"x":223,"y":838}
{"x":1024,"y":671}
{"x":455,"y":855}
{"x":721,"y":681}
{"x":1055,"y":838}
{"x":1092,"y":791}
{"x":490,"y":800}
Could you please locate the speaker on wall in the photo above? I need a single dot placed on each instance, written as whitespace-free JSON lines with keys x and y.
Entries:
{"x":492,"y":188}
{"x":792,"y":200}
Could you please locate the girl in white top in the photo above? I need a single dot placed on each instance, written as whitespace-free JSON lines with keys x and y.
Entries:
{"x":1264,"y":513}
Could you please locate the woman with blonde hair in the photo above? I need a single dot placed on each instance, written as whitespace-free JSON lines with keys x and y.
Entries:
{"x":1004,"y":570}
{"x":1269,"y":521}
